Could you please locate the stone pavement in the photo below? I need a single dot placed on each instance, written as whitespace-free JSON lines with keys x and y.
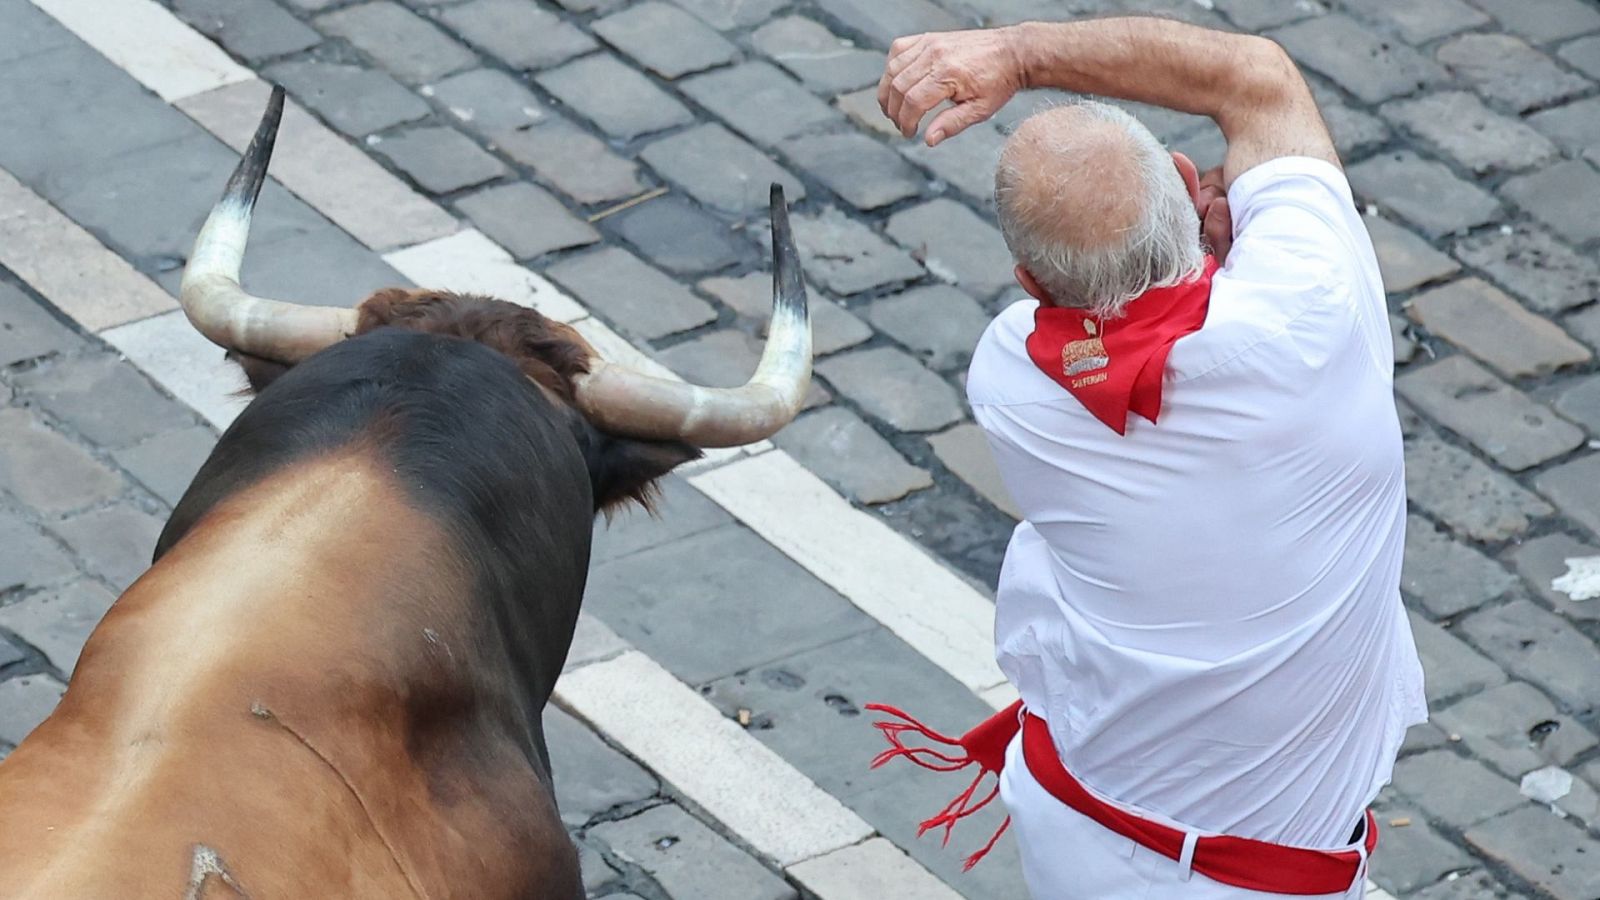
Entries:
{"x":491,"y":139}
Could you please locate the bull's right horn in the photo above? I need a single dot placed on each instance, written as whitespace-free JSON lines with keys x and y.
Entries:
{"x":211,"y":296}
{"x":621,"y":401}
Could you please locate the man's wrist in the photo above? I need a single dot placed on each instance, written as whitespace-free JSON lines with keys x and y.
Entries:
{"x":1028,"y":42}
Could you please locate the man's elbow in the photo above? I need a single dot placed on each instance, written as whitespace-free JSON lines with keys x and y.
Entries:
{"x":1268,"y":77}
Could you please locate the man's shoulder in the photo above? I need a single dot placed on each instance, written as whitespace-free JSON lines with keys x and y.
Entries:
{"x":1001,"y":373}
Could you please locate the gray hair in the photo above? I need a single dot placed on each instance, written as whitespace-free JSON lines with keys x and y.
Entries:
{"x":1162,"y":247}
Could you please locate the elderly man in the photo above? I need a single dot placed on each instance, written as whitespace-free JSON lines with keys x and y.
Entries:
{"x":1200,"y":608}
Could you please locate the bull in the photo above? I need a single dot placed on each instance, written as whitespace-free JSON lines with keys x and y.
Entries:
{"x":330,"y":681}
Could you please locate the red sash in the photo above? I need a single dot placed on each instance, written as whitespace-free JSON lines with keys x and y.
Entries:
{"x":1241,"y":862}
{"x":1116,"y":365}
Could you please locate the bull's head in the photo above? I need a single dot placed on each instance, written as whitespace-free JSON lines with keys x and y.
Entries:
{"x":271,"y":334}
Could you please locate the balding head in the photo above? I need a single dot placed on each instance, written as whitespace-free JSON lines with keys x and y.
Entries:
{"x":1093,"y":208}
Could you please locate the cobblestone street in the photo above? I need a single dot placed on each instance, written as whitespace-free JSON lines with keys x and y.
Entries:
{"x":607,"y":162}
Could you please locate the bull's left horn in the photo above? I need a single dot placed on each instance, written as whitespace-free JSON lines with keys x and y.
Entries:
{"x":211,"y":296}
{"x":622,"y":401}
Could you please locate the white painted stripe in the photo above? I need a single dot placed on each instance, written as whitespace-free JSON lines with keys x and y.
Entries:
{"x":871,"y":870}
{"x":149,"y":43}
{"x":717,"y":765}
{"x":468,"y":262}
{"x":191,"y":368}
{"x":78,"y":275}
{"x":322,"y":168}
{"x":887,"y":576}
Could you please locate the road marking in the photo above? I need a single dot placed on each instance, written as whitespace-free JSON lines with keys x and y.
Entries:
{"x":871,"y":870}
{"x":149,"y":43}
{"x":877,"y":569}
{"x":718,"y":766}
{"x":468,"y":262}
{"x":79,"y":275}
{"x":168,"y":349}
{"x":323,"y":169}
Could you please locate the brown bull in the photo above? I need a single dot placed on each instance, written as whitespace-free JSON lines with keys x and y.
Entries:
{"x":330,"y":683}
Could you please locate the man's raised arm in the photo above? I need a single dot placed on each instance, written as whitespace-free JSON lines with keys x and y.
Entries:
{"x":1247,"y":84}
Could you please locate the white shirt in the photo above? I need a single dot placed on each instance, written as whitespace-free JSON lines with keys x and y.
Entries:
{"x":1207,"y":610}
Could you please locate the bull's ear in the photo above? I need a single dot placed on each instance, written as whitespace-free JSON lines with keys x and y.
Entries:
{"x":259,"y":372}
{"x":627,"y":470}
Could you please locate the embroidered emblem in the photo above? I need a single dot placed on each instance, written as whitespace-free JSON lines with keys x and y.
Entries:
{"x":1078,"y":357}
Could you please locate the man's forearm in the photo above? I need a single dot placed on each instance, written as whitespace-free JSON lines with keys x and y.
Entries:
{"x":1247,"y":84}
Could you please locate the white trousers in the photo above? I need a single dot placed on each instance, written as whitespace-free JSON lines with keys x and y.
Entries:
{"x":1068,"y":856}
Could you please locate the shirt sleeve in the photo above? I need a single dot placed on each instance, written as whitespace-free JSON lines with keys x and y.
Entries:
{"x":1294,"y":218}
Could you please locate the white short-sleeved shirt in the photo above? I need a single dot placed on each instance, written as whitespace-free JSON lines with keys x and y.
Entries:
{"x":1206,"y":610}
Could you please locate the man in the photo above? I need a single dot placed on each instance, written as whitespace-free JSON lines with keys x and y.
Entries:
{"x":1200,"y":608}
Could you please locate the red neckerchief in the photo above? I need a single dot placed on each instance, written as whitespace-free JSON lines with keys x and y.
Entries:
{"x":1116,"y":365}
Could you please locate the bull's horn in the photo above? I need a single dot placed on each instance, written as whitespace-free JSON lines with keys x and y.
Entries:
{"x":622,"y":401}
{"x":211,"y":296}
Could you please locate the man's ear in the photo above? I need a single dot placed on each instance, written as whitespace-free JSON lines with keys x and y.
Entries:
{"x":1032,"y":286}
{"x":1190,"y":173}
{"x":628,"y":469}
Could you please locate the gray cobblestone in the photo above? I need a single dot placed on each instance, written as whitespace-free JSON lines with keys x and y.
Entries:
{"x":27,"y":331}
{"x":1546,"y":20}
{"x":833,"y":328}
{"x":597,"y":873}
{"x":726,"y":358}
{"x":518,"y":32}
{"x":687,"y":858}
{"x":1580,"y":402}
{"x":590,"y":777}
{"x":1544,"y":559}
{"x":24,"y":703}
{"x":57,"y":622}
{"x":956,"y":246}
{"x":1473,"y":499}
{"x":354,"y":100}
{"x":691,"y":46}
{"x":1583,"y":54}
{"x":1498,"y":419}
{"x":682,"y":511}
{"x":1540,"y":647}
{"x":680,"y":237}
{"x":1470,"y":886}
{"x":102,"y":398}
{"x":613,"y":96}
{"x":1550,"y":853}
{"x":966,"y":161}
{"x":1419,"y":21}
{"x":826,"y":63}
{"x":1563,"y":196}
{"x":1422,"y":192}
{"x":1482,"y":140}
{"x":639,"y":299}
{"x":866,"y":174}
{"x":1358,"y":60}
{"x":939,"y":323}
{"x":250,"y":29}
{"x":1453,"y":789}
{"x":1516,"y":729}
{"x":1447,"y":576}
{"x":1575,"y":126}
{"x":1507,"y":70}
{"x":413,"y":49}
{"x":719,"y":169}
{"x":724,"y":15}
{"x":495,"y":106}
{"x":167,"y":462}
{"x":1406,"y":260}
{"x":760,"y":102}
{"x":28,"y":558}
{"x":9,"y":653}
{"x":114,"y":543}
{"x":1412,"y":856}
{"x":1453,"y":669}
{"x":891,"y":386}
{"x":1479,"y":318}
{"x":440,"y":160}
{"x":884,"y":20}
{"x":846,"y":257}
{"x":964,"y":450}
{"x":1405,"y":347}
{"x":1256,"y":15}
{"x":845,"y":451}
{"x":1530,"y":263}
{"x":526,"y":220}
{"x":862,"y":108}
{"x":1585,"y":323}
{"x":1575,"y":488}
{"x":45,"y":470}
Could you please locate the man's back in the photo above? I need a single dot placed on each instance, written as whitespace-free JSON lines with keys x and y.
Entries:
{"x":1206,"y":609}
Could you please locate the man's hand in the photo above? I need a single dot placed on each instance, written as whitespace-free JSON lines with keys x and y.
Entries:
{"x":977,"y":70}
{"x":1216,"y":220}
